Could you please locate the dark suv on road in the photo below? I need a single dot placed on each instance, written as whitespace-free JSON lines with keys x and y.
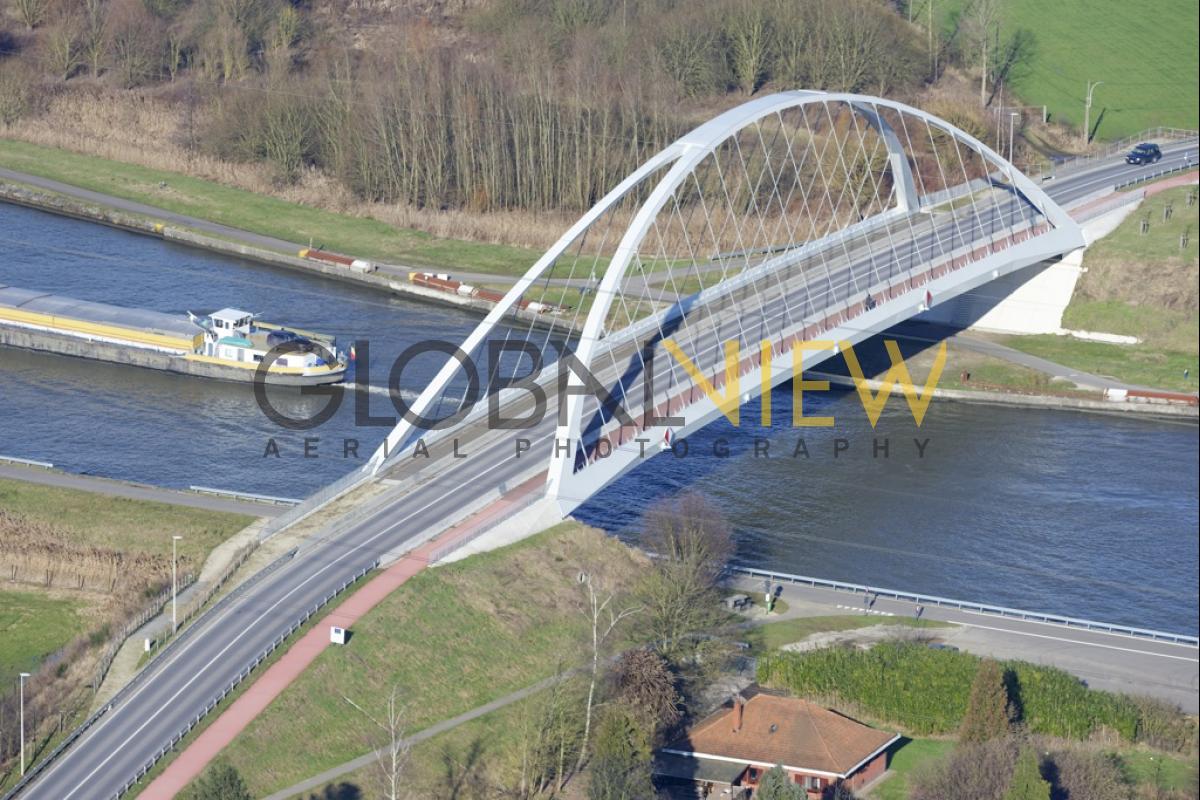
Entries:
{"x":1144,"y":153}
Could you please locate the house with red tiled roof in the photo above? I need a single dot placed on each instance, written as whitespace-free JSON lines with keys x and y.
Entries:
{"x":726,"y":754}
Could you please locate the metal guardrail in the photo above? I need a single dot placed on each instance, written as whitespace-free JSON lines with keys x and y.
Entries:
{"x":1078,"y":162}
{"x":257,"y":498}
{"x":27,"y":462}
{"x":241,"y":676}
{"x":967,"y":605}
{"x":171,"y":646}
{"x":1145,"y":178}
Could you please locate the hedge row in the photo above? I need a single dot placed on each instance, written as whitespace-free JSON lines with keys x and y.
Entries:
{"x":926,"y":690}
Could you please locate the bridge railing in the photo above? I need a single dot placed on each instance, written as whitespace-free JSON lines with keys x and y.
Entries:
{"x":1084,"y":161}
{"x":918,"y":598}
{"x":928,"y":259}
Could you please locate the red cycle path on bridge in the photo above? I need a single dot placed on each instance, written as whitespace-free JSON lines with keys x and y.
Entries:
{"x":192,"y":761}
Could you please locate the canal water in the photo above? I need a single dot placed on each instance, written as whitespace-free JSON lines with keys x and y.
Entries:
{"x":1079,"y":514}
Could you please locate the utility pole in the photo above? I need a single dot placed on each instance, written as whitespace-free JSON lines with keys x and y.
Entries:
{"x":1087,"y":113}
{"x":932,"y":59}
{"x":174,"y":582}
{"x":24,"y":675}
{"x":1012,"y":118}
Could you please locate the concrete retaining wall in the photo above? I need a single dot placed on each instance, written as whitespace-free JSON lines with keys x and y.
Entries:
{"x":1031,"y":300}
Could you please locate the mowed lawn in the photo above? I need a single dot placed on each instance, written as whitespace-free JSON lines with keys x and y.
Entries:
{"x":357,"y":236}
{"x":32,"y":626}
{"x":119,"y":523}
{"x":450,"y":639}
{"x":1142,"y":285}
{"x":1146,"y":55}
{"x":909,"y":755}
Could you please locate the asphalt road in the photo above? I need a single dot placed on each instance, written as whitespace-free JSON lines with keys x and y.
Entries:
{"x":1109,"y":661}
{"x":176,"y":687}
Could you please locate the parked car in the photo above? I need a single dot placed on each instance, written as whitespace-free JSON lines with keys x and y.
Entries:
{"x":1144,"y":153}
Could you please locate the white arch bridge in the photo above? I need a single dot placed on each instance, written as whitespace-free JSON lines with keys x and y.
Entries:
{"x":794,"y":217}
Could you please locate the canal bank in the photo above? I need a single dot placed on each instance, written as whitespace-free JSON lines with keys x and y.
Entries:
{"x":1174,"y":407}
{"x":81,"y":204}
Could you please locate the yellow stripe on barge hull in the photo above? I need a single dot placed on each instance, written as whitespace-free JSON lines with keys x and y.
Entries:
{"x":109,"y":332}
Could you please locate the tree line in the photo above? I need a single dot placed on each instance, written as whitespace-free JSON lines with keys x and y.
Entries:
{"x":521,"y":104}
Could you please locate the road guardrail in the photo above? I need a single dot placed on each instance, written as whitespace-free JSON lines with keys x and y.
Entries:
{"x":241,"y":676}
{"x":36,"y":769}
{"x":26,"y":462}
{"x":257,"y":498}
{"x":967,"y":605}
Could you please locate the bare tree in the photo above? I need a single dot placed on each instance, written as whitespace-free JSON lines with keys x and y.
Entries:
{"x":982,"y":29}
{"x":62,"y":46}
{"x":31,"y":12}
{"x":749,"y":37}
{"x":95,"y":33}
{"x":391,"y":759}
{"x":645,"y":684}
{"x":692,"y":543}
{"x":134,"y":42}
{"x":604,"y":619}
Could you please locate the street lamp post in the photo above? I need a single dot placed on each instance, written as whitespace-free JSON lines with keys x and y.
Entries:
{"x":174,"y":582}
{"x":24,"y":675}
{"x":1087,"y":112}
{"x":1012,"y":118}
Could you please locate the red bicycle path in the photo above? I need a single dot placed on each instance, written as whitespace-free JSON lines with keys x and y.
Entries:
{"x":266,"y":687}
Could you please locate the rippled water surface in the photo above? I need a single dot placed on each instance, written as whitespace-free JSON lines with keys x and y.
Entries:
{"x":1080,"y":514}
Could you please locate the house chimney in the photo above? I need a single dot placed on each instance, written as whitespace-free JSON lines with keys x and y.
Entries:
{"x":739,"y":703}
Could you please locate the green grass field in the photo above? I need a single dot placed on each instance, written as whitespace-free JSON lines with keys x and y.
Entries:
{"x":32,"y":626}
{"x":120,"y":523}
{"x":451,"y":638}
{"x":1145,"y":54}
{"x":909,"y":755}
{"x":357,"y":236}
{"x":1158,"y":771}
{"x":1135,"y":364}
{"x":1136,"y":285}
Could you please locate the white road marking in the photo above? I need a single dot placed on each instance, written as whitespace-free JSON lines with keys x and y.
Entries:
{"x":1064,"y":627}
{"x":245,"y":630}
{"x":1080,"y":642}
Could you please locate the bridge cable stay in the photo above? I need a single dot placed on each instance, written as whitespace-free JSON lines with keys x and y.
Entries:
{"x":795,"y":216}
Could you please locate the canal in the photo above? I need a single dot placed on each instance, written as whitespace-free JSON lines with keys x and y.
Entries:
{"x":1072,"y":513}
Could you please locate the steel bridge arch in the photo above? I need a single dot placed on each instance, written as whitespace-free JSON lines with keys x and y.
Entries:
{"x":673,"y":165}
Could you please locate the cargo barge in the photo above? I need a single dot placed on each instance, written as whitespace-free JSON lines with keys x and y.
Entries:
{"x":229,"y":344}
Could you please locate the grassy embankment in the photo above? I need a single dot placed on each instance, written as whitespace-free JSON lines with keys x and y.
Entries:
{"x":1148,"y":62}
{"x":32,"y":625}
{"x":1137,"y":285}
{"x":207,"y":200}
{"x":83,"y":561}
{"x":119,"y":523}
{"x":452,"y":639}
